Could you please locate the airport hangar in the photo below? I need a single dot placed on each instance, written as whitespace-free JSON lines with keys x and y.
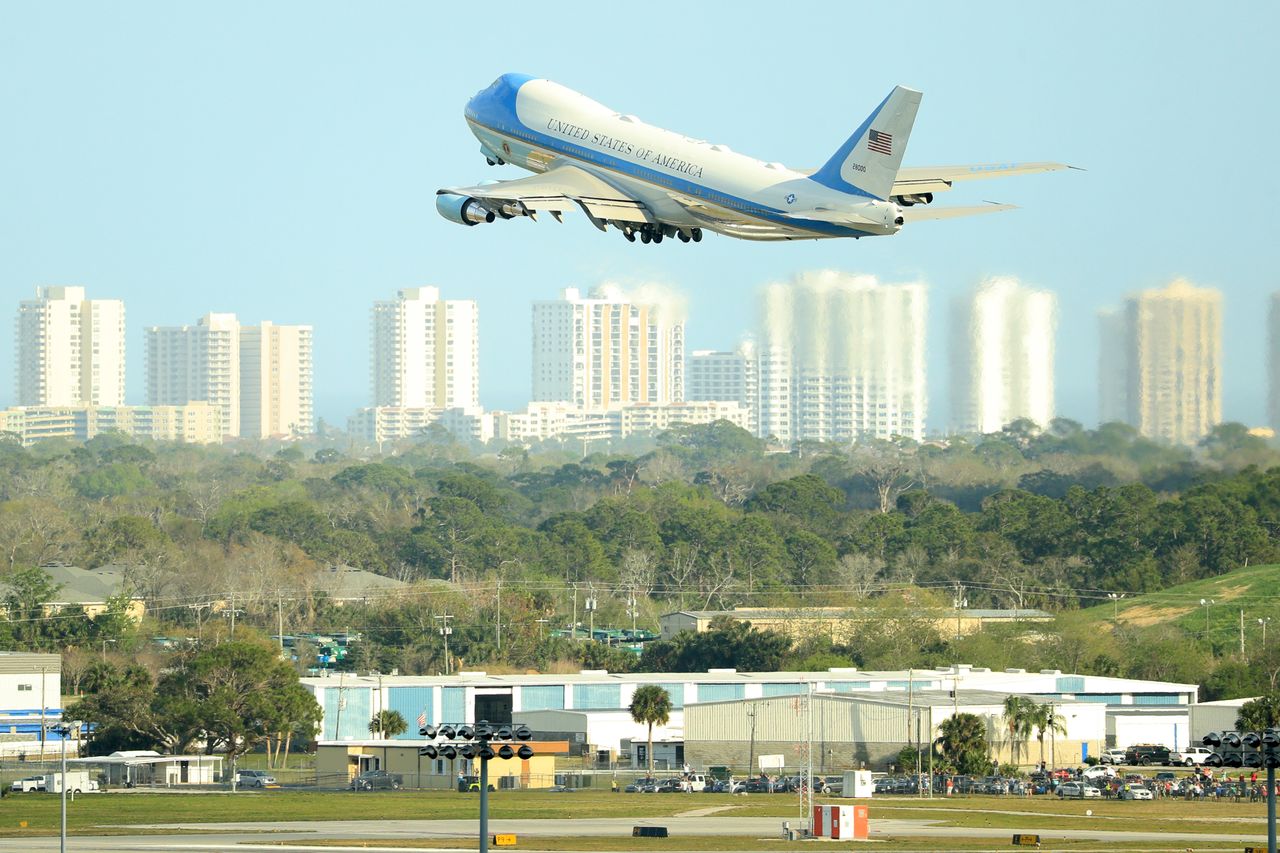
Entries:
{"x":589,"y":709}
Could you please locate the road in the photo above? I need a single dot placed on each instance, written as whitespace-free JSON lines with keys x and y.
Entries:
{"x":263,"y":836}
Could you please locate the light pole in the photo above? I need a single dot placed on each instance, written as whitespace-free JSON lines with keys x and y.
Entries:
{"x":1263,"y":622}
{"x":1249,"y":749}
{"x":63,"y":731}
{"x":458,"y":744}
{"x":1115,"y":604}
{"x":445,"y":631}
{"x":542,"y":627}
{"x":1206,"y":603}
{"x":589,"y":605}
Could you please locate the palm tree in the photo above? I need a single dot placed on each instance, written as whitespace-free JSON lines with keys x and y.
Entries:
{"x":651,"y":704}
{"x":962,"y":740}
{"x":1019,"y":716}
{"x":387,"y":724}
{"x":1046,"y":719}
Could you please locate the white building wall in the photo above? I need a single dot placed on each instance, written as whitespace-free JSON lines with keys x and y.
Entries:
{"x":197,"y":363}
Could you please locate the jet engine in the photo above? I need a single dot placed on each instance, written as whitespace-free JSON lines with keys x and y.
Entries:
{"x":463,"y":210}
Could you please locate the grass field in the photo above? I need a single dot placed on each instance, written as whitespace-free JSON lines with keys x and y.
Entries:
{"x":1255,"y":589}
{"x":112,"y":813}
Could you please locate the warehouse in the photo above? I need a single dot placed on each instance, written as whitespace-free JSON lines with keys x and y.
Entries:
{"x":350,"y":701}
{"x":851,"y":732}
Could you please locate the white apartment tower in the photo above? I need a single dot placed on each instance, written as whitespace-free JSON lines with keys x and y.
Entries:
{"x":260,"y":377}
{"x":1171,"y":369}
{"x":425,"y":351}
{"x":726,"y":376}
{"x":276,"y":394}
{"x":197,"y":363}
{"x":842,"y":358}
{"x":70,"y":349}
{"x":610,"y":349}
{"x":1002,"y":341}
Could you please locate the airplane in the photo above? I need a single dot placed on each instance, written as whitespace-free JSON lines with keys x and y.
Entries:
{"x":652,"y":183}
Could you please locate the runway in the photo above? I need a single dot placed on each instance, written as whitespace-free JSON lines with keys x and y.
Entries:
{"x":267,"y":836}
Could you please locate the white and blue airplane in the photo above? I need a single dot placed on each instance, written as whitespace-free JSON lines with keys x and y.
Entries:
{"x":652,"y":183}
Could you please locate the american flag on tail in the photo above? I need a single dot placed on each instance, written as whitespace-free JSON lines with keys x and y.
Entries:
{"x":880,"y":141}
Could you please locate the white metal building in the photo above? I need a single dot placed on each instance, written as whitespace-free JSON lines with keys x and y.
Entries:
{"x":349,"y":702}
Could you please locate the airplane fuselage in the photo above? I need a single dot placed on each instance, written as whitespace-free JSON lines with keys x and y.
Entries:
{"x":685,"y":183}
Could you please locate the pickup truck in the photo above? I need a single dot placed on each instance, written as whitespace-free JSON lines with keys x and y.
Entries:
{"x":1192,"y":756}
{"x":27,"y":784}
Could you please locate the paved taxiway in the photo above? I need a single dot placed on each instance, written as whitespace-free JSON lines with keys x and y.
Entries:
{"x":266,"y":836}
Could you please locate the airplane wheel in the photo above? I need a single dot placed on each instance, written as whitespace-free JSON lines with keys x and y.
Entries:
{"x":645,"y":237}
{"x":697,"y":235}
{"x":490,"y":162}
{"x":630,"y":235}
{"x":657,"y":236}
{"x":684,"y":238}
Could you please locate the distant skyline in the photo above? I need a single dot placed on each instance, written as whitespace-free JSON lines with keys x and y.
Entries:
{"x":280,"y":161}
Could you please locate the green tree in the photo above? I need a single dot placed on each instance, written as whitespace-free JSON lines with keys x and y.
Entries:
{"x":650,"y":705}
{"x":387,"y":724}
{"x":1261,"y":713}
{"x":1046,"y":719}
{"x":1019,"y":716}
{"x":27,"y":593}
{"x":962,"y":744}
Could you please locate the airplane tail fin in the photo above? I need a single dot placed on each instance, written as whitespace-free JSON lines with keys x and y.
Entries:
{"x":867,"y":164}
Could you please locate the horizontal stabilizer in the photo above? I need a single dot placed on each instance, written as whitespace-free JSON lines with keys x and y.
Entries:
{"x":921,"y":213}
{"x":936,"y":179}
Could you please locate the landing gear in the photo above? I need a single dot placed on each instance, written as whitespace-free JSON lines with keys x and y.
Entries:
{"x":630,"y":234}
{"x":646,"y":236}
{"x":697,"y":235}
{"x":684,"y":236}
{"x":655,"y":233}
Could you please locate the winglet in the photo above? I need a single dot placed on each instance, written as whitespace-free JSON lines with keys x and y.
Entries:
{"x":867,"y":164}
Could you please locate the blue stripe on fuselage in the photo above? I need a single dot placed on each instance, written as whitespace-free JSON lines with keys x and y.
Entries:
{"x":495,"y":109}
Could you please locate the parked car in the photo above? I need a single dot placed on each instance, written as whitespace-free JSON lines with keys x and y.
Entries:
{"x":1111,"y":756}
{"x":377,"y":780}
{"x":1192,"y":756}
{"x":757,"y":785}
{"x":1147,"y":754}
{"x":1136,"y":792}
{"x":671,"y":786}
{"x":831,"y":785}
{"x":1072,"y":789}
{"x":643,"y":785}
{"x":1099,"y":771}
{"x":254,"y":778}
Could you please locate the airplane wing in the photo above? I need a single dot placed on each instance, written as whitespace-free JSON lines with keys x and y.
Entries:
{"x":558,"y":189}
{"x":936,"y":179}
{"x":921,"y":213}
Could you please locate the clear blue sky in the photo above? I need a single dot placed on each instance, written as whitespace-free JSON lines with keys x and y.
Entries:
{"x":279,"y":160}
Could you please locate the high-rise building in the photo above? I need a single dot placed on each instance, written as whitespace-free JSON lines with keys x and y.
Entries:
{"x":200,"y":362}
{"x":842,"y":358}
{"x":275,"y":381}
{"x":728,"y":376}
{"x":70,"y":349}
{"x":425,"y":351}
{"x":1172,"y":366}
{"x":1002,"y":346}
{"x":610,"y":349}
{"x":259,"y":377}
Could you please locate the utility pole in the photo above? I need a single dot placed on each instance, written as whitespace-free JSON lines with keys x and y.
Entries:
{"x":499,"y":625}
{"x":958,"y":601}
{"x":1242,"y":657}
{"x":445,"y":631}
{"x":574,"y":626}
{"x":590,"y":606}
{"x":280,"y":619}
